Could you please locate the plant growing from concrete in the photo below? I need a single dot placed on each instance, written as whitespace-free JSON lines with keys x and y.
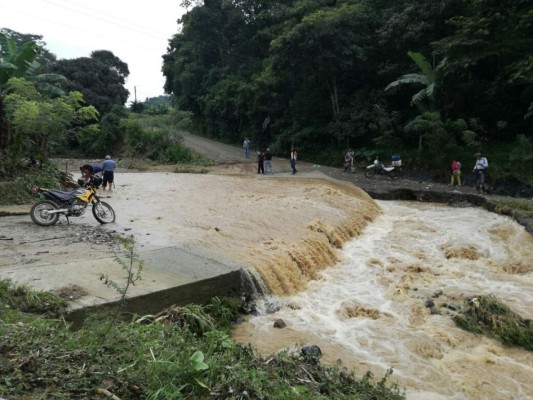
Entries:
{"x":132,"y":265}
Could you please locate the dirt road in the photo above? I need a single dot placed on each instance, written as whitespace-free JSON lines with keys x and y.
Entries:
{"x":380,"y":187}
{"x":193,"y":227}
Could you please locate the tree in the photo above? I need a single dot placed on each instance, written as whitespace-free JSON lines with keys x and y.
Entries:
{"x":326,"y":46}
{"x":17,"y":62}
{"x":430,"y":78}
{"x":44,"y":56}
{"x":43,"y":121}
{"x":316,"y":69}
{"x":100,"y":78}
{"x":107,"y":137}
{"x":193,"y":60}
{"x":490,"y":63}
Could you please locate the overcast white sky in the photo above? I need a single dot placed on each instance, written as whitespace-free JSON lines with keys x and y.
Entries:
{"x":136,"y":31}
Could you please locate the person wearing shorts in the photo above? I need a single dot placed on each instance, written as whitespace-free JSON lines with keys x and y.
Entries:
{"x":108,"y":166}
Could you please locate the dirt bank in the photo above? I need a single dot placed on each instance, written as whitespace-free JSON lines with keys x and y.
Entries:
{"x":275,"y":223}
{"x":285,"y":228}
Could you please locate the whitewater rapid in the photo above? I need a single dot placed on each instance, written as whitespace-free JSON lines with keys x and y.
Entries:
{"x":369,"y":311}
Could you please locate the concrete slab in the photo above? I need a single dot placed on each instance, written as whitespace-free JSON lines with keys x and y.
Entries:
{"x":197,"y":234}
{"x":84,"y":255}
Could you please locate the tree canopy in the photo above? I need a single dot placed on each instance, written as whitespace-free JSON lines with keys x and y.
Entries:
{"x":314,"y":72}
{"x":42,"y":110}
{"x":100,"y":78}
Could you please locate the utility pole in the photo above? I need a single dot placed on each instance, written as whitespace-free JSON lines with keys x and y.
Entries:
{"x":135,"y":93}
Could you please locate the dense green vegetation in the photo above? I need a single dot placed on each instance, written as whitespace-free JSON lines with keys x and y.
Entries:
{"x":183,"y":352}
{"x":100,"y":78}
{"x":488,"y":316}
{"x":431,"y":80}
{"x":76,"y":108}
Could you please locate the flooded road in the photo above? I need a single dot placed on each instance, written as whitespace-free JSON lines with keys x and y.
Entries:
{"x":369,"y":312}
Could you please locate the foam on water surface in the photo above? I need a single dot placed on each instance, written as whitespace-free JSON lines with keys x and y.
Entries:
{"x":369,"y":313}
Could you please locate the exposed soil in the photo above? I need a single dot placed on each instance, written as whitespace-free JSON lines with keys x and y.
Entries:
{"x":262,"y":194}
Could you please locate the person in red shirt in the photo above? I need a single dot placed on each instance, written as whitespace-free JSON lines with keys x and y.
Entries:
{"x":456,"y":173}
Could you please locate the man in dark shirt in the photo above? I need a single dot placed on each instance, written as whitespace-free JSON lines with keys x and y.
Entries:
{"x":260,"y":162}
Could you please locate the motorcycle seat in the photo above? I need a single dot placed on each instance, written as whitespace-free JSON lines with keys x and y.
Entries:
{"x":66,"y":195}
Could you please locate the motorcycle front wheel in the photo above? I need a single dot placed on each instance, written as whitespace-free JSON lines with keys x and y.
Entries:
{"x":40,"y":213}
{"x":103,"y":212}
{"x":370,"y":172}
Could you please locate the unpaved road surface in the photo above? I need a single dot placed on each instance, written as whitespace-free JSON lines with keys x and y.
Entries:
{"x":226,"y":219}
{"x":232,"y":214}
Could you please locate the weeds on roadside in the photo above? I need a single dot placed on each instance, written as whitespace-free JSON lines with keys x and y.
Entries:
{"x":30,"y":301}
{"x":172,"y":355}
{"x":514,"y":206}
{"x":488,"y":316}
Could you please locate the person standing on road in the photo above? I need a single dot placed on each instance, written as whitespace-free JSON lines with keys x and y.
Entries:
{"x":294,"y":156}
{"x":260,"y":162}
{"x":456,"y":172}
{"x":268,"y":161}
{"x":246,"y":147}
{"x":348,"y":160}
{"x":480,"y":169}
{"x":108,"y":166}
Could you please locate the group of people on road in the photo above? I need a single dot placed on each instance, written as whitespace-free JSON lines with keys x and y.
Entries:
{"x":264,"y":165}
{"x":264,"y":158}
{"x":264,"y":162}
{"x":107,"y":168}
{"x":480,"y":169}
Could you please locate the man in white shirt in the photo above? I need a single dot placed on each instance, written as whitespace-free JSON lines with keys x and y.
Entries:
{"x":480,"y":168}
{"x":294,"y":156}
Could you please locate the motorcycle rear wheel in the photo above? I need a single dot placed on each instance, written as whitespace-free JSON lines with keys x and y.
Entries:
{"x":370,"y":172}
{"x":40,"y":213}
{"x":103,"y":212}
{"x":395,"y":174}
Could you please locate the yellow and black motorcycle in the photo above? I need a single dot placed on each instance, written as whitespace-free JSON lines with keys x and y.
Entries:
{"x":71,"y":204}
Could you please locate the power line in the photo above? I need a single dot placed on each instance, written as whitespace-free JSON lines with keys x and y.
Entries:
{"x":92,"y":33}
{"x":149,"y":29}
{"x":97,"y":15}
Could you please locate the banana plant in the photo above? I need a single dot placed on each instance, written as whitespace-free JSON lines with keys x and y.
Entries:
{"x":19,"y":62}
{"x":429,"y":77}
{"x":16,"y":61}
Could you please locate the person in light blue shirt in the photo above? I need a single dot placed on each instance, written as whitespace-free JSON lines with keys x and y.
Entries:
{"x":108,"y":166}
{"x":246,"y":147}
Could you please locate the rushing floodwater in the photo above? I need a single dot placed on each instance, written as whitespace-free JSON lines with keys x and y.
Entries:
{"x":369,"y":313}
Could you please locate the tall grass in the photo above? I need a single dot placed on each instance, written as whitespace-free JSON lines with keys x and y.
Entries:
{"x":21,"y":298}
{"x":179,"y":353}
{"x":489,"y":316}
{"x":514,"y":206}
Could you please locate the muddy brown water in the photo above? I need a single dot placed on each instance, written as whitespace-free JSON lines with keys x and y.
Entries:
{"x":292,"y":231}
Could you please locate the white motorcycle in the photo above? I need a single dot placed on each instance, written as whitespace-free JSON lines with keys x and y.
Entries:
{"x":378,"y":168}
